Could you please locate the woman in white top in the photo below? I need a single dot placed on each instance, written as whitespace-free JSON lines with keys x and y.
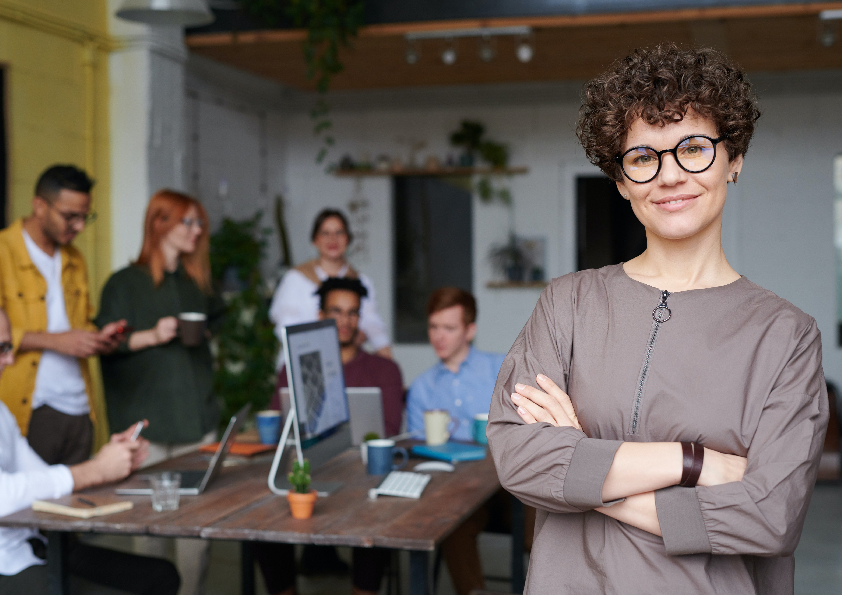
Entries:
{"x":295,"y":301}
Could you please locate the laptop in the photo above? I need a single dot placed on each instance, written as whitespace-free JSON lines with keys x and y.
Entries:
{"x":366,"y":408}
{"x":194,"y":482}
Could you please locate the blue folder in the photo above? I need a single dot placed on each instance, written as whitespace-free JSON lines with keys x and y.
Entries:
{"x":452,"y":452}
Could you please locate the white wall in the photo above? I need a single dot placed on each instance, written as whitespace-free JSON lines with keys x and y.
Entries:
{"x":146,"y":112}
{"x":778,"y":228}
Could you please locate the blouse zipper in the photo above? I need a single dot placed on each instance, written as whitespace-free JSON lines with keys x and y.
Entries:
{"x":660,"y":315}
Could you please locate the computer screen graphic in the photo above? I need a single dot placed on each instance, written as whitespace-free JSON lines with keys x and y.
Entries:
{"x":316,"y":377}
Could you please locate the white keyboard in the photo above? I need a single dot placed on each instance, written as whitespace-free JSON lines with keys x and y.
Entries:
{"x":404,"y":484}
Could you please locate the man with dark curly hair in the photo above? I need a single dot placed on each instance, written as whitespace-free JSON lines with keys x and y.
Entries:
{"x":673,"y":438}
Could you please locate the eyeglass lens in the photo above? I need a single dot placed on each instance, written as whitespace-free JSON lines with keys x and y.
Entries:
{"x":694,"y":154}
{"x":190,"y":222}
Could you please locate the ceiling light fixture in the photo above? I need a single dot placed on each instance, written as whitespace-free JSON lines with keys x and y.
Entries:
{"x":486,"y":48}
{"x":477,"y":32}
{"x":448,"y":56}
{"x":524,"y":50}
{"x":411,"y":52}
{"x":184,"y":13}
{"x":828,"y":30}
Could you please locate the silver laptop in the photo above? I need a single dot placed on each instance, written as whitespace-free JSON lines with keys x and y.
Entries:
{"x":194,"y":482}
{"x":366,"y":408}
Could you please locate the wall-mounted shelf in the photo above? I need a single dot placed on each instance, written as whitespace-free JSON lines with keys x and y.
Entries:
{"x":516,"y":284}
{"x":442,"y":171}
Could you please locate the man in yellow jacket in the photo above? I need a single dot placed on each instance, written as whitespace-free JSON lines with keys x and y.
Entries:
{"x":44,"y":290}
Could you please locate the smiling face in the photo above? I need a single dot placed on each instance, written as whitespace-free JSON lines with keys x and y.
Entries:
{"x":332,"y":239}
{"x":183,"y":237}
{"x":676,"y":204}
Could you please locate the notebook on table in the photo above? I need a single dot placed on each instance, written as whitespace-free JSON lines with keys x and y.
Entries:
{"x":452,"y":452}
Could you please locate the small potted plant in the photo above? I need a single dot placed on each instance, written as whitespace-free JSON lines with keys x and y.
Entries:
{"x":301,"y":498}
{"x":364,"y":445}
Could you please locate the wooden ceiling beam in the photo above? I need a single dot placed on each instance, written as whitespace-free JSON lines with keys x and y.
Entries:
{"x":197,"y":40}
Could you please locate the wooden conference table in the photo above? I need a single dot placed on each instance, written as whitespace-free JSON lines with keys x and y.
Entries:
{"x":239,"y":506}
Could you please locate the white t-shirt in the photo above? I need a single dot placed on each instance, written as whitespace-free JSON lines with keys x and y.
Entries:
{"x":295,"y":302}
{"x":58,"y":382}
{"x":24,"y":477}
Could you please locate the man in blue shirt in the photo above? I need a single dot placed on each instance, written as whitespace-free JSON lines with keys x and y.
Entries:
{"x":463,"y":380}
{"x":462,"y":383}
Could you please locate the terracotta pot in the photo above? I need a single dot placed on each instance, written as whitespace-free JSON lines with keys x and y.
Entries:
{"x":301,"y":505}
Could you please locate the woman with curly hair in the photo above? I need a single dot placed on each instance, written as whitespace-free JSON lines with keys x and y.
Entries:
{"x":684,"y":457}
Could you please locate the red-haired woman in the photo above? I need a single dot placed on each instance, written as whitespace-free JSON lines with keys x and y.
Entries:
{"x":153,"y":375}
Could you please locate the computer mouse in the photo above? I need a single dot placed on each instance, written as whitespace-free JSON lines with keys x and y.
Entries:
{"x":433,"y":466}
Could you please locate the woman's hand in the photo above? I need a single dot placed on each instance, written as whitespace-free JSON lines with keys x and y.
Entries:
{"x":163,"y":332}
{"x":550,"y":405}
{"x":166,"y":329}
{"x":719,"y":468}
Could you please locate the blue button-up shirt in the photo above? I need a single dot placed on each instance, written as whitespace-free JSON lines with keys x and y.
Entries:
{"x":464,"y":393}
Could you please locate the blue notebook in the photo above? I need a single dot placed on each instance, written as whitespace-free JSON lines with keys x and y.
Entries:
{"x":452,"y":452}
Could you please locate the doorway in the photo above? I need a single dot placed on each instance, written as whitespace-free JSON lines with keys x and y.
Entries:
{"x":607,"y":231}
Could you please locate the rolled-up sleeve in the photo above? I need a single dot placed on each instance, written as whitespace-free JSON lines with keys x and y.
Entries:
{"x":763,"y":514}
{"x":553,"y":469}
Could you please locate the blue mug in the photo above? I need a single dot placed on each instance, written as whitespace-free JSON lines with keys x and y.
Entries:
{"x":269,"y":426}
{"x":480,"y":425}
{"x":381,"y":454}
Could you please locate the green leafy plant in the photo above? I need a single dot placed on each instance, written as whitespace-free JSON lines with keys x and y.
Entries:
{"x":245,"y":346}
{"x":330,"y":26}
{"x":299,"y":477}
{"x":371,"y":436}
{"x":471,"y":137}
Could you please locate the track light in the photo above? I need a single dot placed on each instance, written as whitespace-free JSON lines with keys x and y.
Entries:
{"x":524,"y":51}
{"x":828,"y":32}
{"x":448,"y":56}
{"x":486,"y":48}
{"x":184,"y":13}
{"x":411,"y":52}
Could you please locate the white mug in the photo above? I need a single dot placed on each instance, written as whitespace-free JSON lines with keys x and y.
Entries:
{"x":439,"y":426}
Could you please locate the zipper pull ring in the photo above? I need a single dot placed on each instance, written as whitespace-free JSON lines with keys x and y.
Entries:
{"x":662,"y":313}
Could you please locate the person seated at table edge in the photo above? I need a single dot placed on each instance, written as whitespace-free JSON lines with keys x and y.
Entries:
{"x":341,"y":299}
{"x":463,"y":380}
{"x":462,"y":383}
{"x":25,"y":477}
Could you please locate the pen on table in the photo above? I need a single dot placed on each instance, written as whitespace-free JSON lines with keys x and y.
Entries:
{"x":85,"y":501}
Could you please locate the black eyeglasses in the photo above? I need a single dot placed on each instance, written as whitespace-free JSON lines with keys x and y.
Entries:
{"x":5,"y":347}
{"x":694,"y":155}
{"x":71,"y":218}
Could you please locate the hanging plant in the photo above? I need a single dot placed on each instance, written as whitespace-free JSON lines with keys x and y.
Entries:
{"x":330,"y":25}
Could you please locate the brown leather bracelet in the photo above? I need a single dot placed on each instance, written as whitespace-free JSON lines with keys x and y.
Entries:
{"x":686,"y":461}
{"x":698,"y":462}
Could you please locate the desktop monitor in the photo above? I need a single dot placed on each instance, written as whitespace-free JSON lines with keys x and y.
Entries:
{"x":315,"y":377}
{"x":316,"y":398}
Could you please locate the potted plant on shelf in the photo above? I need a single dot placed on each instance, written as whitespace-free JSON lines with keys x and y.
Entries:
{"x":509,"y":259}
{"x":301,"y":498}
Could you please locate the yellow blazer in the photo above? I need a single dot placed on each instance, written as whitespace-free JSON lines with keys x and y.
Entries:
{"x":23,"y":296}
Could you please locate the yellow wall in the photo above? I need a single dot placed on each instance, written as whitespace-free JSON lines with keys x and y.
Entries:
{"x":55,"y":54}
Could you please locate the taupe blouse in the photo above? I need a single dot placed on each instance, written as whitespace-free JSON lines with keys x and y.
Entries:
{"x":735,"y":368}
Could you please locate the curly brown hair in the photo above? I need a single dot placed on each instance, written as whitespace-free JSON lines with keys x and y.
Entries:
{"x":659,"y":85}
